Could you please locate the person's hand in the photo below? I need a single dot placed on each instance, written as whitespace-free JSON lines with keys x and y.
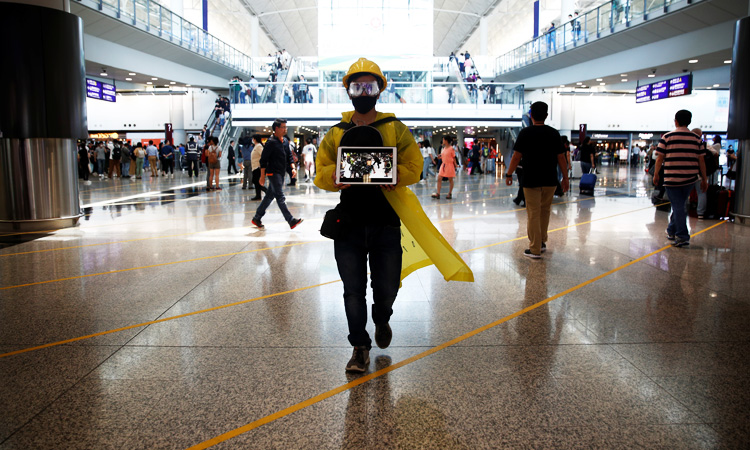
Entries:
{"x":565,"y":184}
{"x":294,"y":172}
{"x":509,"y":181}
{"x":391,"y":187}
{"x":262,"y":181}
{"x":656,"y":179}
{"x":704,"y":185}
{"x":339,"y":186}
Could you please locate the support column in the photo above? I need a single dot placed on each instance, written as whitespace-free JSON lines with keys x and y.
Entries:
{"x":42,"y":115}
{"x":483,"y":30}
{"x":254,"y":33}
{"x":177,"y":118}
{"x":739,"y":116}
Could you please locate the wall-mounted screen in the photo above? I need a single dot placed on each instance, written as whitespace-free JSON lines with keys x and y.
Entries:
{"x":675,"y":87}
{"x":100,"y":91}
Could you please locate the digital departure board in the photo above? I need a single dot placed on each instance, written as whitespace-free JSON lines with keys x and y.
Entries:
{"x":675,"y":87}
{"x":100,"y":91}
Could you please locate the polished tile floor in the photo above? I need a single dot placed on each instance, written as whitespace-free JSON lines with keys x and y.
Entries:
{"x":166,"y":321}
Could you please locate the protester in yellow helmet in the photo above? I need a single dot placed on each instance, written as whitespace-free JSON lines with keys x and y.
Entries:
{"x":380,"y":218}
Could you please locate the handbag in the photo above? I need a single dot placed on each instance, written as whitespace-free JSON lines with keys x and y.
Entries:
{"x":334,"y":224}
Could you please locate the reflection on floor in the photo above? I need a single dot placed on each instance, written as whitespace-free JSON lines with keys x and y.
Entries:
{"x":165,"y":320}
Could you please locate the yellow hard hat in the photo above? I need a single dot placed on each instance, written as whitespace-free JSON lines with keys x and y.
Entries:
{"x":364,"y":65}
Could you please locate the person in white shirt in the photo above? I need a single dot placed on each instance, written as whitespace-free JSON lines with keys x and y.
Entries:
{"x":428,"y":154}
{"x":253,"y":83}
{"x":308,"y":156}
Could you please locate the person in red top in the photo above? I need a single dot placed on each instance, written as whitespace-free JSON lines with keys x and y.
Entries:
{"x":679,"y":151}
{"x":447,"y":168}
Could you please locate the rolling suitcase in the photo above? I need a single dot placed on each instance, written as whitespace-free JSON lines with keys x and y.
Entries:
{"x":586,"y":186}
{"x":712,"y":201}
{"x":724,"y":202}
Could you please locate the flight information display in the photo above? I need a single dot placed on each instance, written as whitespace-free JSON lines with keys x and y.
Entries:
{"x":675,"y":87}
{"x":100,"y":91}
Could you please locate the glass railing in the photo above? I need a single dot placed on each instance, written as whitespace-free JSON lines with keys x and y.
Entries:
{"x":153,"y":18}
{"x":601,"y":21}
{"x":506,"y":95}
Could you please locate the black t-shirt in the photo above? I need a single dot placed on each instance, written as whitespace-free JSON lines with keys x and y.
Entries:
{"x":539,"y":146}
{"x":585,"y":153}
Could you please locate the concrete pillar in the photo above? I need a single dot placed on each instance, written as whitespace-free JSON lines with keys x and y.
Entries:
{"x":739,"y":116}
{"x":42,"y":115}
{"x":483,"y":30}
{"x":177,"y":118}
{"x":254,"y":33}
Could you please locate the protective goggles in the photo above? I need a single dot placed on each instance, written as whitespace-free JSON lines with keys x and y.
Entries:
{"x":369,"y":88}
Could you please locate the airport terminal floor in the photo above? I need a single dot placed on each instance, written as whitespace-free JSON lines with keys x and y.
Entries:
{"x":166,"y":321}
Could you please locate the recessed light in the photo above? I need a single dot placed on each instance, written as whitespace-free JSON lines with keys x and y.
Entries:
{"x":562,"y":85}
{"x":623,"y":75}
{"x":172,"y":82}
{"x":104,"y":74}
{"x":624,"y":80}
{"x":154,"y":79}
{"x":128,"y":79}
{"x":148,"y":82}
{"x":166,"y":85}
{"x":716,"y":85}
{"x":188,"y":85}
{"x":709,"y":88}
{"x":651,"y":75}
{"x":579,"y":83}
{"x":728,"y":61}
{"x":693,"y":61}
{"x":598,"y":79}
{"x":602,"y":84}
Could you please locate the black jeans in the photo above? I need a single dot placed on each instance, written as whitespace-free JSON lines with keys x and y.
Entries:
{"x":231,"y":166}
{"x":382,"y":244}
{"x":192,"y":167}
{"x":256,"y":182}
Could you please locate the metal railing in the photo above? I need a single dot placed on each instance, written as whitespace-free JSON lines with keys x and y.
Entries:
{"x":151,"y":17}
{"x":510,"y":95}
{"x":604,"y":20}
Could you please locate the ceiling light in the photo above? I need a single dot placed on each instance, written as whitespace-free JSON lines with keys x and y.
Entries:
{"x":166,"y":85}
{"x":579,"y":83}
{"x":716,"y":85}
{"x":104,"y":72}
{"x":131,"y":73}
{"x":602,"y":84}
{"x":624,"y":80}
{"x":693,"y":61}
{"x":172,"y":82}
{"x":651,"y":75}
{"x":623,"y":75}
{"x":148,"y":82}
{"x":728,"y":61}
{"x":187,"y":85}
{"x":598,"y":79}
{"x":562,"y":85}
{"x":708,"y":88}
{"x":154,"y":79}
{"x":128,"y":79}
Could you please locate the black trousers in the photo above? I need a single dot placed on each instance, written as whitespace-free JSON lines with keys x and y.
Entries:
{"x":231,"y":166}
{"x":256,"y":181}
{"x":192,"y":167}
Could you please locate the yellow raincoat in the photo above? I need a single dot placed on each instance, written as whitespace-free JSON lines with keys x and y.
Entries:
{"x":422,"y":243}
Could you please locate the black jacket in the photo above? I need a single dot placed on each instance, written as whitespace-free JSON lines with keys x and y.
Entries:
{"x":276,"y":156}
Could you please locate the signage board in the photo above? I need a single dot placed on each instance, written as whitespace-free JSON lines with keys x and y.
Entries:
{"x":674,"y":87}
{"x":100,"y":91}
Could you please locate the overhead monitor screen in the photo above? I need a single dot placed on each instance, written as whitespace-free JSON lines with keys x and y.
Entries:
{"x":674,"y":87}
{"x":100,"y":91}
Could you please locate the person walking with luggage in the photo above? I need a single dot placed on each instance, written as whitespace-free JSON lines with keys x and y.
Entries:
{"x":276,"y":157}
{"x":540,"y":150}
{"x":679,"y":151}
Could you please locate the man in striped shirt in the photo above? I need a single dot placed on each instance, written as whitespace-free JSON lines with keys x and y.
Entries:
{"x":681,"y":154}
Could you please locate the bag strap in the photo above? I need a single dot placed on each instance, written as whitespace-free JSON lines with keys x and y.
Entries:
{"x":349,"y":125}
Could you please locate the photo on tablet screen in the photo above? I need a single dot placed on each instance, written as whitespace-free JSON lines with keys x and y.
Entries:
{"x":366,"y":165}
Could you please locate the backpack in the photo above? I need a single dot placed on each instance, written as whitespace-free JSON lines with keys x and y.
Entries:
{"x":116,"y":152}
{"x":362,"y":135}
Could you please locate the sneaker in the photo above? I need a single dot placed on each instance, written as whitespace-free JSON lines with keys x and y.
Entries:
{"x":294,"y":222}
{"x":671,"y":237}
{"x":680,"y":243}
{"x":528,"y":253}
{"x":383,"y":335}
{"x":544,"y":247}
{"x":257,"y":223}
{"x":359,"y":361}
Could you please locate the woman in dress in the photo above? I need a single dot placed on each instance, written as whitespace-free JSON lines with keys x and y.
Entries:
{"x":447,"y":168}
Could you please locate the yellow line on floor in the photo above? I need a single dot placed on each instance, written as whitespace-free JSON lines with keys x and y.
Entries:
{"x":269,"y":295}
{"x":153,"y":265}
{"x":166,"y":319}
{"x":345,"y":387}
